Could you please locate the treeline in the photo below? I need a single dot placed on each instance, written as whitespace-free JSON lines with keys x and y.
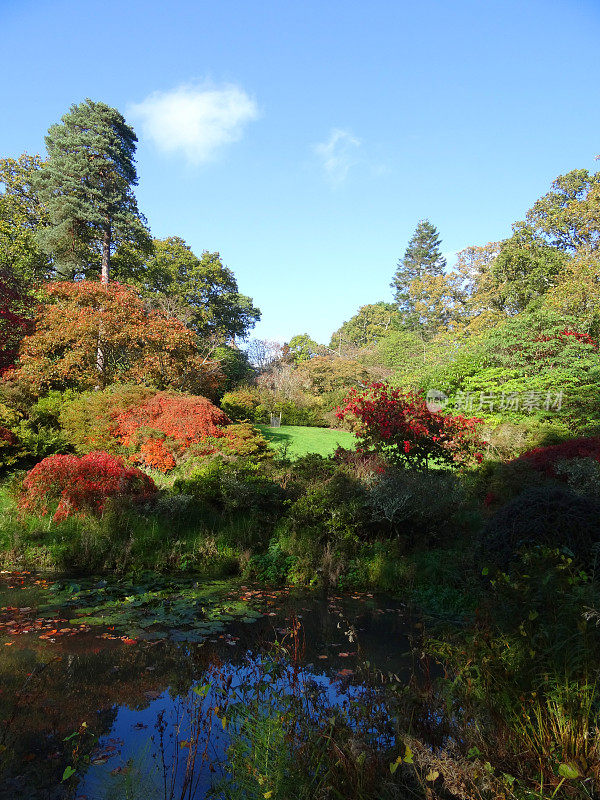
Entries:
{"x":72,"y":218}
{"x":508,"y":333}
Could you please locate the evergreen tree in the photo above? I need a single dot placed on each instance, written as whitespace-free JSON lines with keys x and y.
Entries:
{"x":422,"y":259}
{"x":87,"y":187}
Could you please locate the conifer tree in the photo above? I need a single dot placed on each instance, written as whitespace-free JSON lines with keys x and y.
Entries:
{"x":422,"y":259}
{"x":87,"y":187}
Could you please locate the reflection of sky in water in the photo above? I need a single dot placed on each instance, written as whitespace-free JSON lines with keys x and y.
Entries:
{"x":121,"y":689}
{"x":98,"y":783}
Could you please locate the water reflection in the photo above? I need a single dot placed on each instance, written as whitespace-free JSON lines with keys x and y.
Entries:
{"x":123,"y":715}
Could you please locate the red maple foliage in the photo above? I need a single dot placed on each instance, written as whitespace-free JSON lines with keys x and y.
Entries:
{"x":544,"y":459}
{"x":399,"y":425}
{"x":15,"y":319}
{"x":161,"y":429}
{"x":584,"y":338}
{"x":81,"y":485}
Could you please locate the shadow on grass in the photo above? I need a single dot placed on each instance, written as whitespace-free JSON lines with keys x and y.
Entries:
{"x":276,"y":435}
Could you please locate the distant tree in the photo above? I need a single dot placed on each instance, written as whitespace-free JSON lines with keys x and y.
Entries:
{"x":578,"y":290}
{"x":436,"y":300}
{"x":370,"y":324}
{"x":201,"y":292}
{"x":234,"y":364}
{"x":302,"y":347}
{"x":87,"y":185}
{"x":325,"y":374}
{"x":479,"y":301}
{"x":568,"y":216}
{"x":422,"y":258}
{"x":263,"y":352}
{"x":524,"y":270}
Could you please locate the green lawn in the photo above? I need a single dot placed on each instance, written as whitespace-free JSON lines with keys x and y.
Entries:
{"x":302,"y":440}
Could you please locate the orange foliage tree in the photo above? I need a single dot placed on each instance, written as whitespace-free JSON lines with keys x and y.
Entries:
{"x":161,"y":429}
{"x":137,"y":345}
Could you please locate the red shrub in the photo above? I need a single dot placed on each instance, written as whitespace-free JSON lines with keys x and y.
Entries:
{"x":15,"y":317}
{"x":544,"y":459}
{"x":399,"y":425}
{"x":161,"y":429}
{"x":7,"y":436}
{"x":81,"y":484}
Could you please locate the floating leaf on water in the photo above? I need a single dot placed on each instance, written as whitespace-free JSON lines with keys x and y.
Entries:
{"x":69,"y":771}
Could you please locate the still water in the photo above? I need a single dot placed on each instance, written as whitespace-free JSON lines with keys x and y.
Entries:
{"x":126,"y":688}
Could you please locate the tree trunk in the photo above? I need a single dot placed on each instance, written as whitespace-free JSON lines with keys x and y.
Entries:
{"x":106,"y":241}
{"x":104,"y":278}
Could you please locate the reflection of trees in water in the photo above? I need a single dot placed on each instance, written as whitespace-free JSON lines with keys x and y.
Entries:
{"x":47,"y":694}
{"x":49,"y":689}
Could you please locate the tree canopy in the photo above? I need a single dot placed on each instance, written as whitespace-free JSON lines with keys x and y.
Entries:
{"x":201,"y":292}
{"x":86,"y":184}
{"x":138,"y":345}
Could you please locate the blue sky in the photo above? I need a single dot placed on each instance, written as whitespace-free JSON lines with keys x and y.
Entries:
{"x":305,"y":140}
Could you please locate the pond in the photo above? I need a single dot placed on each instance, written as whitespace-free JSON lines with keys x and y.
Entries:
{"x":114,"y":689}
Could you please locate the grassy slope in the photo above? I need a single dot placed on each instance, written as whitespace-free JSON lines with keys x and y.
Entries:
{"x":300,"y":440}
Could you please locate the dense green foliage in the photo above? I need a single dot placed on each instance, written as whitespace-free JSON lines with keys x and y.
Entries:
{"x":86,"y":185}
{"x":467,"y":481}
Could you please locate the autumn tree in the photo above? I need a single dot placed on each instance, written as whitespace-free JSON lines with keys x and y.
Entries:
{"x":422,"y":257}
{"x":138,"y":345}
{"x":87,"y":185}
{"x":325,"y":374}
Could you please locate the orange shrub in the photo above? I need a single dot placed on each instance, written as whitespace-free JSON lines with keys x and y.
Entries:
{"x":160,"y":430}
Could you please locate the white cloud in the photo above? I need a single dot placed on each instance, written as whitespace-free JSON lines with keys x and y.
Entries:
{"x":195,"y":120}
{"x":337,"y":154}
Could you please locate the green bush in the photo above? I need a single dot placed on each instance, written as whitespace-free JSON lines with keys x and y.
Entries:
{"x":203,"y":483}
{"x":37,"y":433}
{"x":551,"y":516}
{"x":422,"y":508}
{"x":331,"y":511}
{"x":241,"y":404}
{"x":274,"y":566}
{"x":88,"y":419}
{"x":235,"y":488}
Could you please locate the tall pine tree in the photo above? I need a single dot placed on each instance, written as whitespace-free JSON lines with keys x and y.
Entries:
{"x":422,"y":259}
{"x":87,"y":187}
